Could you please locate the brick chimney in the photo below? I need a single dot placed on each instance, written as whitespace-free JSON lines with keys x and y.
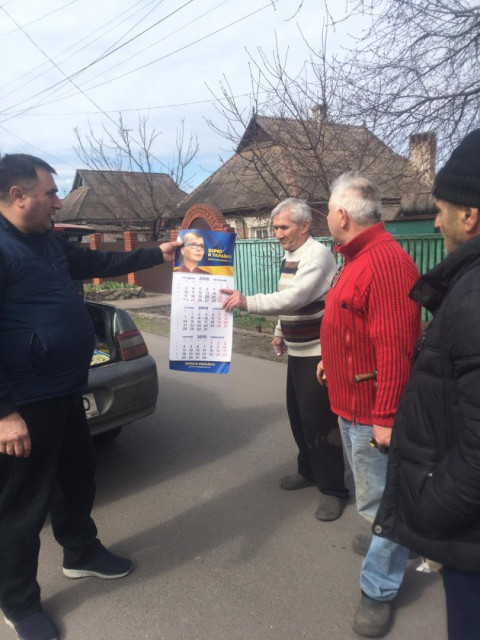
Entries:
{"x":319,"y":113}
{"x":422,"y":154}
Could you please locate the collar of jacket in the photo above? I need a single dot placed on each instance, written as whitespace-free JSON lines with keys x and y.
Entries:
{"x":431,"y":288}
{"x":363,"y":241}
{"x":8,"y":226}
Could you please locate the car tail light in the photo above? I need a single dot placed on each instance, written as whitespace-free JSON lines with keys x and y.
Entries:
{"x":132,"y":345}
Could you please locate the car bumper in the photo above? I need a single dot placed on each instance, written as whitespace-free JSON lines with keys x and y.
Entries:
{"x":122,"y":392}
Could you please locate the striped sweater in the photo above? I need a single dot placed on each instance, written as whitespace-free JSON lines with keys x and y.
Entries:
{"x":370,"y":324}
{"x":305,"y":278}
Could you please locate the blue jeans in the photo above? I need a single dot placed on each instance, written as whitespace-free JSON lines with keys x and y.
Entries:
{"x":384,"y":565}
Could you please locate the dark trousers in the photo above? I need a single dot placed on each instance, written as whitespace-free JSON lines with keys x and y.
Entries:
{"x":314,"y":427}
{"x":58,"y":475}
{"x":462,"y":589}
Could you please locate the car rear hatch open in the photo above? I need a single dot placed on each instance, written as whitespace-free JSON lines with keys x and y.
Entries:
{"x":123,"y":381}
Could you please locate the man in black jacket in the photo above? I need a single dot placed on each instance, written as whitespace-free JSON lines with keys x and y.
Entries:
{"x":431,"y":502}
{"x":46,"y":344}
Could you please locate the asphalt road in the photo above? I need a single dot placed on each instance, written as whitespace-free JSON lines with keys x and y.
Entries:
{"x":220,"y":552}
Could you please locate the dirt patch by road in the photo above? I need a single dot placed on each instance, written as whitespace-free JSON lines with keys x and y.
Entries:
{"x":249,"y":343}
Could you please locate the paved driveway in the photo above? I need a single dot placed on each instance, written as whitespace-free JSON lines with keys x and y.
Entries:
{"x":221,"y":552}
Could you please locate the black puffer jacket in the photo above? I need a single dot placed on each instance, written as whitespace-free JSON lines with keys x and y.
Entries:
{"x":431,"y":502}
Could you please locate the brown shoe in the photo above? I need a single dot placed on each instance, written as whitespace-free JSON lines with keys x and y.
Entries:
{"x":373,"y":618}
{"x":329,"y":508}
{"x":294,"y":481}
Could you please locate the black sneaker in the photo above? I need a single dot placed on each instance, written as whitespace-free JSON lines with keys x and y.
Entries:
{"x":105,"y":565}
{"x":36,"y":626}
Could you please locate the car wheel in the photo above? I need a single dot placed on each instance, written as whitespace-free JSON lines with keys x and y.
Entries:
{"x":107,"y":436}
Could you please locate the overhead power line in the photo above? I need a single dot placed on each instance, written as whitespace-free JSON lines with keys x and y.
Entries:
{"x":70,"y":78}
{"x":45,"y":15}
{"x":34,"y":70}
{"x":150,"y":108}
{"x":190,"y":44}
{"x":154,"y":44}
{"x":26,"y":145}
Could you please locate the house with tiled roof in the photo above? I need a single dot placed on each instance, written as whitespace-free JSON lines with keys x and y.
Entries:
{"x":280,"y":157}
{"x":118,"y":201}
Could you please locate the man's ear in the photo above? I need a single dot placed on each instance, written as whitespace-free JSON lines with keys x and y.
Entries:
{"x":471,"y":220}
{"x":17,"y":195}
{"x":344,"y":219}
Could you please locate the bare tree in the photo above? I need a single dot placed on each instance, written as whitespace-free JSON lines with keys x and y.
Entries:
{"x":417,"y":67}
{"x":117,"y":155}
{"x":313,"y":136}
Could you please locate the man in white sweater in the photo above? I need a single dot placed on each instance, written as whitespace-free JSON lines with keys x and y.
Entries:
{"x":305,"y":276}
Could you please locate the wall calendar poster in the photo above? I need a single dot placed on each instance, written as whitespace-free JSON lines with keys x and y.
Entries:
{"x":200,"y":330}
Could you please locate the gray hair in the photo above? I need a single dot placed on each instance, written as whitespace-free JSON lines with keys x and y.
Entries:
{"x":299,"y":210}
{"x":358,"y":196}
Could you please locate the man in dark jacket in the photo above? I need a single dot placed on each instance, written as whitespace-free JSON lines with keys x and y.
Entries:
{"x":46,"y":345}
{"x":431,"y":502}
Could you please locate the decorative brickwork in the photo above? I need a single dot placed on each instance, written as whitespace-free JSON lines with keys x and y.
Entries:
{"x":131,"y":243}
{"x":203,"y":216}
{"x":96,"y":241}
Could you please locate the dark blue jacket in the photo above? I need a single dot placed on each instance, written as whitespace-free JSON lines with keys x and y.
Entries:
{"x":46,"y":333}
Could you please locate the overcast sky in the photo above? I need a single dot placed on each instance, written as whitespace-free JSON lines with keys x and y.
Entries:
{"x":156,"y":58}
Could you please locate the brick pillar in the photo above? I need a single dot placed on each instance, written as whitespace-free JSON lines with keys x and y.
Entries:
{"x":131,"y":243}
{"x":96,"y":241}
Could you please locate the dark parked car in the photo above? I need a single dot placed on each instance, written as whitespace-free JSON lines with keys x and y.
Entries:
{"x":122,"y":383}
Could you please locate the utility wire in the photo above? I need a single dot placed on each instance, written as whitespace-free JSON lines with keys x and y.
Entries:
{"x":160,"y":162}
{"x":45,"y":15}
{"x":80,"y":90}
{"x":169,"y":35}
{"x":5,"y":3}
{"x":190,"y":44}
{"x":154,"y":44}
{"x":69,"y":78}
{"x":56,"y":66}
{"x":132,"y":28}
{"x":269,"y":4}
{"x":43,"y":64}
{"x":161,"y":106}
{"x":22,"y":142}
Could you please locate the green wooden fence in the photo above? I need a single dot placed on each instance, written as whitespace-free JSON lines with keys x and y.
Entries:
{"x":257,"y":261}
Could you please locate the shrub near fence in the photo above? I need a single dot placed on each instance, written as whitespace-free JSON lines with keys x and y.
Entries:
{"x":257,"y":261}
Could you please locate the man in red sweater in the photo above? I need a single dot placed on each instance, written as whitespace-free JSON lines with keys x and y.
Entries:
{"x":370,"y":327}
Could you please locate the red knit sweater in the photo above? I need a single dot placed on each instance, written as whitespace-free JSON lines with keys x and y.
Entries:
{"x":370,"y":324}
